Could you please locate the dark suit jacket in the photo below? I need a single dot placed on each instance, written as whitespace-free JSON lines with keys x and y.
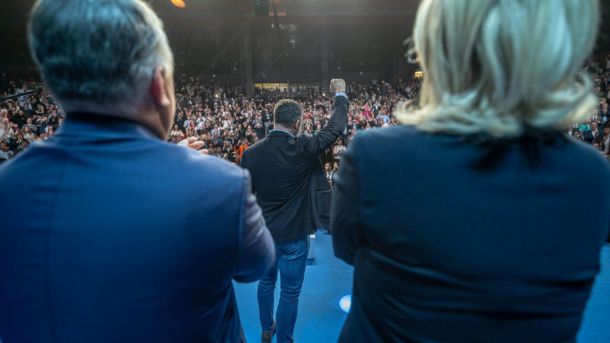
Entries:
{"x":109,"y":234}
{"x":455,"y":240}
{"x":289,"y":180}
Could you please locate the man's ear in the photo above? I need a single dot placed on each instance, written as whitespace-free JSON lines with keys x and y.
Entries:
{"x":297,"y":126}
{"x":159,"y":88}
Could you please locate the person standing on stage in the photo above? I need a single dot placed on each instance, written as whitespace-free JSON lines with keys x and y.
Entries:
{"x":117,"y":235}
{"x":289,"y":183}
{"x":483,"y":222}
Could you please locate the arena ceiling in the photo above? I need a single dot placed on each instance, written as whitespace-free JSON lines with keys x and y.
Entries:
{"x":311,"y":8}
{"x":365,"y":37}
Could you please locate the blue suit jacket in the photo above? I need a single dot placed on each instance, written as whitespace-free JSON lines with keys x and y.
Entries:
{"x":109,"y":234}
{"x":457,"y":239}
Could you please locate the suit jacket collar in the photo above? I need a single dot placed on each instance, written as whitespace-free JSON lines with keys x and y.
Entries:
{"x":102,"y":126}
{"x":280,"y":133}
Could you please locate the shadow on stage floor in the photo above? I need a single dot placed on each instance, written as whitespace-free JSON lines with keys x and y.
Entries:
{"x":329,"y":279}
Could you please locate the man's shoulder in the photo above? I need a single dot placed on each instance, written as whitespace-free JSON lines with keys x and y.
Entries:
{"x":256,"y":147}
{"x":258,"y":144}
{"x":173,"y":160}
{"x":302,"y":138}
{"x":38,"y":153}
{"x":302,"y":141}
{"x":197,"y":164}
{"x":194,"y":175}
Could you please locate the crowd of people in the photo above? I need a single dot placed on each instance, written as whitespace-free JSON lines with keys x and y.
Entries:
{"x":597,"y":130}
{"x":220,"y":116}
{"x":28,"y":118}
{"x":228,"y":122}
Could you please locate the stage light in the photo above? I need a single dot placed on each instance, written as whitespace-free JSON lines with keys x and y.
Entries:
{"x":346,"y":303}
{"x":178,"y":3}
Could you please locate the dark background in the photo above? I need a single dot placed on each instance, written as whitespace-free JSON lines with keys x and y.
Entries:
{"x":317,"y":39}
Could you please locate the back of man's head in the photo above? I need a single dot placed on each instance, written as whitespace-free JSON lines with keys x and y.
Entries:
{"x":103,"y":52}
{"x":287,"y":112}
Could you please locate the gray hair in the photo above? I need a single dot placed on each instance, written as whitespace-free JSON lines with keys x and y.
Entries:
{"x":501,"y":66}
{"x":102,"y":52}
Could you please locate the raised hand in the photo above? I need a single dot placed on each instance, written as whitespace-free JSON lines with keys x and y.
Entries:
{"x":337,"y":86}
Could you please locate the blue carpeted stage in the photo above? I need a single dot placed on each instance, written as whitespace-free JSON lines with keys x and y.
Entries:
{"x":329,"y":279}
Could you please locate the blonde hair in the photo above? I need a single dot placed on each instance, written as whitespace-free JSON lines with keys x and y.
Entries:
{"x":500,"y":66}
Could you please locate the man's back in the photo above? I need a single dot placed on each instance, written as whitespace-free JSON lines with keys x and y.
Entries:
{"x":111,"y":235}
{"x":288,"y":177}
{"x":282,"y":183}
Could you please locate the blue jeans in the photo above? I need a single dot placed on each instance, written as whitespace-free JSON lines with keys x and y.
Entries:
{"x":291,"y":261}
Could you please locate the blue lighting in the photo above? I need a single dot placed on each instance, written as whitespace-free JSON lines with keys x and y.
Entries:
{"x":346,"y":303}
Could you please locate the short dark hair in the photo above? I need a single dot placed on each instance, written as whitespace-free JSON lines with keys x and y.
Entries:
{"x":287,"y":112}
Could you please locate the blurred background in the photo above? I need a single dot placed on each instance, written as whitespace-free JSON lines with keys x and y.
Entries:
{"x":268,"y":41}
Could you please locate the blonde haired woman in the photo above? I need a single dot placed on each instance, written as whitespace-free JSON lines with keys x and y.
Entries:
{"x":479,"y":220}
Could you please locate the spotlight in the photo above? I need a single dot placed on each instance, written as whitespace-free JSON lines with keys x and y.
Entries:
{"x":346,"y":303}
{"x":178,"y":3}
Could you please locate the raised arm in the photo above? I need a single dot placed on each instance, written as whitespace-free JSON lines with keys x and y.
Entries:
{"x":256,"y":248}
{"x":335,"y":127}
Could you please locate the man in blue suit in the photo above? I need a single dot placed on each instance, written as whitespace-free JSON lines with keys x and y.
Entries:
{"x":109,"y":234}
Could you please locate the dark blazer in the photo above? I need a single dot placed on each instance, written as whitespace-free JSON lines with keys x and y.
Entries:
{"x":109,"y":234}
{"x":464,"y":240}
{"x":289,"y":180}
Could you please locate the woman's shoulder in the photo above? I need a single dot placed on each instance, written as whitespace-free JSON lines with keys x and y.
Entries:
{"x":400,"y":137}
{"x":587,"y":157}
{"x":389,"y":134}
{"x":408,"y":141}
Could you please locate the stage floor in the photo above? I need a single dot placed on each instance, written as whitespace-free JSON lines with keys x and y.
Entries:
{"x":329,"y":279}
